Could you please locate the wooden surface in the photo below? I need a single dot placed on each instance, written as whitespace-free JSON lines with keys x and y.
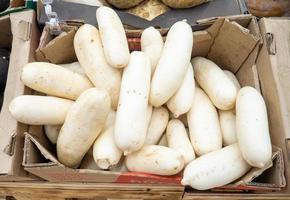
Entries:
{"x":57,"y":191}
{"x":62,"y":191}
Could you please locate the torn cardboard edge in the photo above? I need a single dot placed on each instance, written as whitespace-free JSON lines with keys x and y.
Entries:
{"x":215,"y":45}
{"x":53,"y":170}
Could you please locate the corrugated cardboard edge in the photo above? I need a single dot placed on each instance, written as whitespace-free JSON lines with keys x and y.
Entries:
{"x":23,"y":28}
{"x":240,"y":41}
{"x":267,"y":65}
{"x":53,"y":170}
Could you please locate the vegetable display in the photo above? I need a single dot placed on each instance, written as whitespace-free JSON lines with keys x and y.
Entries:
{"x":156,"y":111}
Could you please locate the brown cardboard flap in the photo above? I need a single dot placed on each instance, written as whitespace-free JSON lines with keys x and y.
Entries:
{"x":278,"y":177}
{"x":63,"y":43}
{"x":232,"y":46}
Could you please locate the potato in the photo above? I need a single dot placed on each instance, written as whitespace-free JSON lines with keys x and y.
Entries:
{"x":183,"y":3}
{"x":124,"y":4}
{"x":149,"y":9}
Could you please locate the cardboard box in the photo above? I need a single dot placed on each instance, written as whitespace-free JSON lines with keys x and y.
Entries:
{"x":233,"y":43}
{"x":273,"y":68}
{"x":272,"y":65}
{"x":20,"y":33}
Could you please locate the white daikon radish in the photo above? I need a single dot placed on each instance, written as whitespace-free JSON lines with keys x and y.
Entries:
{"x":52,"y":131}
{"x":233,"y":79}
{"x":54,"y":80}
{"x":252,"y":127}
{"x":113,"y":37}
{"x":149,"y":114}
{"x":82,"y":126}
{"x":40,"y":110}
{"x":163,"y":141}
{"x":89,"y":51}
{"x":182,"y":100}
{"x":228,"y":117}
{"x":106,"y":152}
{"x":228,"y":126}
{"x":215,"y":83}
{"x":215,"y":169}
{"x":74,"y":67}
{"x":173,"y":63}
{"x":154,"y":159}
{"x":157,"y":125}
{"x":152,"y":45}
{"x":131,"y":118}
{"x":110,"y":121}
{"x":178,"y":139}
{"x":203,"y":122}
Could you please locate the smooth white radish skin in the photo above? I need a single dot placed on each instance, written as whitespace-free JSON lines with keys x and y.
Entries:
{"x":228,"y":117}
{"x":40,"y":110}
{"x":182,"y":100}
{"x":154,"y":159}
{"x":203,"y":122}
{"x":54,"y":80}
{"x":152,"y":45}
{"x":215,"y":169}
{"x":253,"y":128}
{"x":52,"y":131}
{"x":173,"y":64}
{"x":178,"y":139}
{"x":163,"y":141}
{"x":131,"y":118}
{"x":113,"y":37}
{"x":110,"y":121}
{"x":233,"y":79}
{"x":228,"y":126}
{"x":215,"y":83}
{"x":89,"y":51}
{"x":106,"y":152}
{"x":149,"y":114}
{"x":157,"y":125}
{"x":82,"y":126}
{"x":74,"y":67}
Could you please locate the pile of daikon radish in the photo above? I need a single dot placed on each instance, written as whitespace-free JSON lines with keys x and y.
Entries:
{"x":140,"y":105}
